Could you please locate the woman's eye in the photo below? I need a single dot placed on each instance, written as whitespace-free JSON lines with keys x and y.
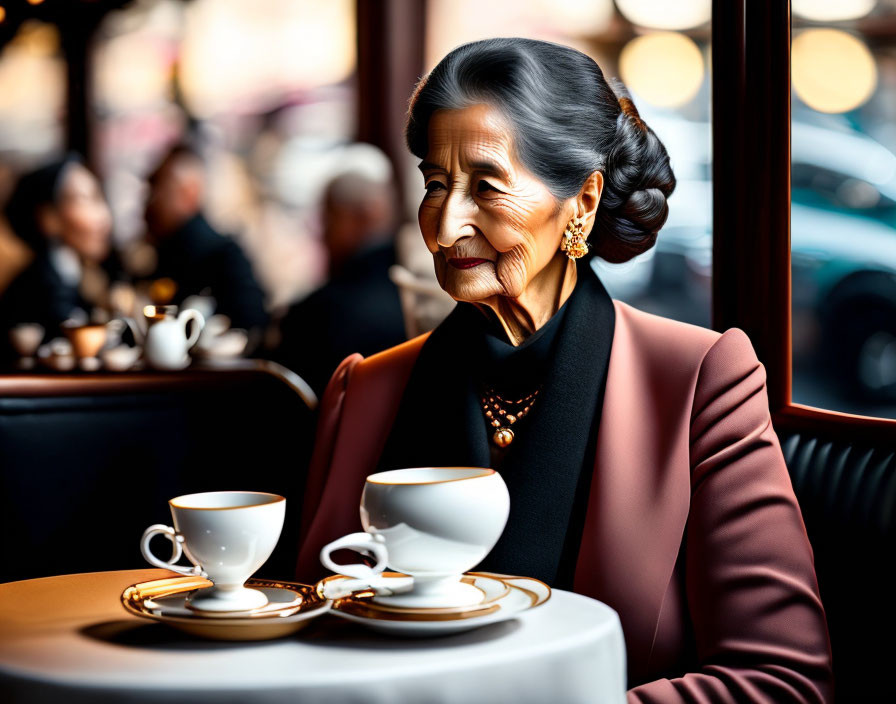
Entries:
{"x":433,"y":186}
{"x":485,"y":187}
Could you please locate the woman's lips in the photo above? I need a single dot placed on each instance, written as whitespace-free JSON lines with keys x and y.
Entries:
{"x":467,"y":262}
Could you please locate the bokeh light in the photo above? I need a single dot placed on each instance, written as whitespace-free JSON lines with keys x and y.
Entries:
{"x":662,"y":14}
{"x":832,"y":10}
{"x":451,"y":23}
{"x":580,"y":17}
{"x":663,"y":68}
{"x":832,"y":70}
{"x":236,"y":55}
{"x":32,"y":90}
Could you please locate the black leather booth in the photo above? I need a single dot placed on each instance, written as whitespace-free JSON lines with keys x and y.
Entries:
{"x":87,"y":462}
{"x":847,"y":494}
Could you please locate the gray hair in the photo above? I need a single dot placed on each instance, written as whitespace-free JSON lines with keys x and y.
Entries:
{"x":568,"y":121}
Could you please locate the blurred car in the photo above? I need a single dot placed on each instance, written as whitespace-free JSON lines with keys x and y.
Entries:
{"x":843,"y":253}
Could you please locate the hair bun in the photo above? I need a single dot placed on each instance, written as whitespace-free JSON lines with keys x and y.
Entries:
{"x":637,"y":181}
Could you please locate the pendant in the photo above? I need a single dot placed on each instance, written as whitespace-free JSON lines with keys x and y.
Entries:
{"x":502,"y":437}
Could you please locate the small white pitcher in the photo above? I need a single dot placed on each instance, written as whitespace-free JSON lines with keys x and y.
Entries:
{"x":167,"y":344}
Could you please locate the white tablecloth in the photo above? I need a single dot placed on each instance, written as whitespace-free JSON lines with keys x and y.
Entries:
{"x":67,"y":639}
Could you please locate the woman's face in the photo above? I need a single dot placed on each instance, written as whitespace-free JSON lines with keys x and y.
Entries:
{"x":490,"y":224}
{"x":81,"y":216}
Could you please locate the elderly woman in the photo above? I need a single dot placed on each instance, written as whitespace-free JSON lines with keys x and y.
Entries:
{"x":639,"y":453}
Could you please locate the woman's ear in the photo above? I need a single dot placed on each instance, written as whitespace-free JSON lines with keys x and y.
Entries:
{"x":49,"y":222}
{"x":589,"y":197}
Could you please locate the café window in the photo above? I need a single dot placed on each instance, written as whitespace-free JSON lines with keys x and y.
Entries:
{"x":843,"y":206}
{"x":266,"y":90}
{"x":661,"y":52}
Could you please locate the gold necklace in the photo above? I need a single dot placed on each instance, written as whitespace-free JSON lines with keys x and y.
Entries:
{"x":498,"y":412}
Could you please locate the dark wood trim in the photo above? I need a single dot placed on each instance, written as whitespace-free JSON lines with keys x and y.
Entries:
{"x":833,"y":425}
{"x":238,"y":373}
{"x":76,"y":45}
{"x":78,"y":24}
{"x":751,"y":206}
{"x":390,"y":61}
{"x":751,"y":180}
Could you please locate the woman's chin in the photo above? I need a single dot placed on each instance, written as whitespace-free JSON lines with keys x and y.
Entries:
{"x":471,"y":286}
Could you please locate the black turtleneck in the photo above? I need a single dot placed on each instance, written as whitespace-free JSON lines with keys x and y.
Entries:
{"x":548,"y":466}
{"x":514,"y":372}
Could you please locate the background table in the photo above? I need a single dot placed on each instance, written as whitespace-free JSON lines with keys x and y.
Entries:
{"x":68,"y":639}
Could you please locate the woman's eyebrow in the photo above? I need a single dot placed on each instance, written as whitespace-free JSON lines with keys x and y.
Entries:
{"x":429,"y":166}
{"x":483,"y":165}
{"x":488,"y":167}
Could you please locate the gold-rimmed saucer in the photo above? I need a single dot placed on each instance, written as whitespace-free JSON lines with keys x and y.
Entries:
{"x":519,"y":594}
{"x":373,"y":602}
{"x":290,"y":607}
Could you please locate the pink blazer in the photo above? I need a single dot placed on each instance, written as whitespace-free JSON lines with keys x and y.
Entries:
{"x":692,"y":533}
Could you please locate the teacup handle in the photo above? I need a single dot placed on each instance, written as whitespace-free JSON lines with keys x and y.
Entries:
{"x":199,"y":322}
{"x":176,"y":540}
{"x":362,"y":542}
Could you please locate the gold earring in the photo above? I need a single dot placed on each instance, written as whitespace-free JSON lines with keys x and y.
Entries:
{"x":574,"y":243}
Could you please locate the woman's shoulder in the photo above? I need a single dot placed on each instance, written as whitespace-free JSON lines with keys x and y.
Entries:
{"x":672,"y":343}
{"x":651,"y":324}
{"x":383,"y":369}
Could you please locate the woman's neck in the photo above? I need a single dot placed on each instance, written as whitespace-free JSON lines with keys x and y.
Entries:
{"x":542,"y":298}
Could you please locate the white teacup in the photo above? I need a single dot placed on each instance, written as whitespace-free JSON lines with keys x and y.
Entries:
{"x":227,"y":535}
{"x":432,"y":523}
{"x":26,"y":338}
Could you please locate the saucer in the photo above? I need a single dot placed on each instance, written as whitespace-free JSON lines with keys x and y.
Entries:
{"x":385,"y":594}
{"x":290,"y":607}
{"x":512,"y":596}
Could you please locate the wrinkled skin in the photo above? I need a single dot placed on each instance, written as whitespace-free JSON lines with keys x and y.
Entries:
{"x":494,"y":229}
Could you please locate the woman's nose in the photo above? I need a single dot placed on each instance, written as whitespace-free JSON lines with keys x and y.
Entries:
{"x":456,"y":222}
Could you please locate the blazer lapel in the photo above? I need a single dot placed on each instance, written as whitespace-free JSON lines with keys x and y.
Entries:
{"x":640,"y":491}
{"x":370,"y":403}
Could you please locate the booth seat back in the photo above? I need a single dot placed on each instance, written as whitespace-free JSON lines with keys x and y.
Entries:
{"x":86,"y":464}
{"x":848,"y":497}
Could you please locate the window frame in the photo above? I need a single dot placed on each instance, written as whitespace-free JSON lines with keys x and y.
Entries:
{"x":390,"y":37}
{"x":751,"y":286}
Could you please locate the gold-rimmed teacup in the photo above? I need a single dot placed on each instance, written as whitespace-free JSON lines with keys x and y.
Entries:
{"x":228,"y":536}
{"x":432,"y":523}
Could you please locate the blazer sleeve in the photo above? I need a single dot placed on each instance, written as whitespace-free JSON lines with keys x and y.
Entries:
{"x":328,"y":421}
{"x":750,"y":584}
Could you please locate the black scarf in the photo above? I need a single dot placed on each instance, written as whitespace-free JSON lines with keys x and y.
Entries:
{"x":548,"y":466}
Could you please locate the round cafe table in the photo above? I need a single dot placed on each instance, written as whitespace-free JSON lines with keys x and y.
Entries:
{"x":68,"y":639}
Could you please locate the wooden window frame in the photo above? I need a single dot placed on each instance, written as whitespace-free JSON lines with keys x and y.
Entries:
{"x":390,"y":39}
{"x":751,"y":206}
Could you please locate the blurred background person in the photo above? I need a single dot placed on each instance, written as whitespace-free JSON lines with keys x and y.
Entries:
{"x":59,"y":211}
{"x":358,"y":309}
{"x":191,"y":257}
